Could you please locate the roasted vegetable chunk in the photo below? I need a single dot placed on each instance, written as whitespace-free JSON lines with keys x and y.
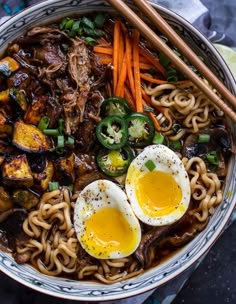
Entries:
{"x":65,"y":170}
{"x":5,"y":200}
{"x":45,"y":177}
{"x":29,"y":138}
{"x":8,"y":65}
{"x":36,"y":111}
{"x":5,"y":130}
{"x":4,"y":96}
{"x":25,"y":198}
{"x":20,"y":98}
{"x":16,"y":172}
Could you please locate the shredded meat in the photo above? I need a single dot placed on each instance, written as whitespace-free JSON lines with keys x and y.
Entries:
{"x":79,"y":70}
{"x":43,"y":35}
{"x":79,"y":63}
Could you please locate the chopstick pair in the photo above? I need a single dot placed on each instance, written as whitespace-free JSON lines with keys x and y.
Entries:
{"x":157,"y":42}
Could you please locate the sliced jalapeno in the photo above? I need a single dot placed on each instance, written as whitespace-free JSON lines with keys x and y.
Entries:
{"x":114,"y":162}
{"x":115,"y":106}
{"x":141,"y":129}
{"x":112,"y":132}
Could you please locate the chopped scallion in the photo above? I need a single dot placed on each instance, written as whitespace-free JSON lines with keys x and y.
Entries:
{"x":70,"y":188}
{"x":53,"y":186}
{"x":158,"y":138}
{"x":52,"y":132}
{"x":61,"y":127}
{"x":212,"y":158}
{"x":150,"y":165}
{"x":203,"y":138}
{"x":44,"y":123}
{"x":70,"y":141}
{"x":60,"y":141}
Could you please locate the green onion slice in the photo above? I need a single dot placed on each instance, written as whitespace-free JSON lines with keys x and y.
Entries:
{"x":53,"y":186}
{"x":212,"y":158}
{"x":150,"y":165}
{"x":52,"y":132}
{"x":70,"y":141}
{"x":203,"y":138}
{"x":61,"y":127}
{"x":70,"y":188}
{"x":44,"y":123}
{"x":60,"y":141}
{"x":158,"y":138}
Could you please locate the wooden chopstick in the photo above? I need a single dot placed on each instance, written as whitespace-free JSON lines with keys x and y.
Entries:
{"x":157,"y":42}
{"x":185,"y":50}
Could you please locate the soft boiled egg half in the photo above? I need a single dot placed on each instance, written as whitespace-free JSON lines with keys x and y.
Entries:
{"x":157,"y":186}
{"x":104,"y":221}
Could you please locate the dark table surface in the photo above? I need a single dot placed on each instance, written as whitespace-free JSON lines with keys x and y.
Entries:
{"x":215,"y":279}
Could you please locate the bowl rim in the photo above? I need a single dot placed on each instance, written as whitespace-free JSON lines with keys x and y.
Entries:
{"x":204,"y":249}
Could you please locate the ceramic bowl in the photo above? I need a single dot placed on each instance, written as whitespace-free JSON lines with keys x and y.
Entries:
{"x":46,"y":12}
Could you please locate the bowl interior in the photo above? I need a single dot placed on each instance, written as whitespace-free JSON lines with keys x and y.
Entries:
{"x":47,"y":12}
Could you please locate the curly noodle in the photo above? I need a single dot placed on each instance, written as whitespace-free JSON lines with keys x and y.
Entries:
{"x":205,"y":188}
{"x":182,"y":102}
{"x":53,"y":244}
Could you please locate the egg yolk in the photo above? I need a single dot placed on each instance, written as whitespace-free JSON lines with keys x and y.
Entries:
{"x":107,"y":231}
{"x":158,"y":193}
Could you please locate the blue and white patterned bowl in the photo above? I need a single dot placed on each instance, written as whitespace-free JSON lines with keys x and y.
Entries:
{"x":49,"y":11}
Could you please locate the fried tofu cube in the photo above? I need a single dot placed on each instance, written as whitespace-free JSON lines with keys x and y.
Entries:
{"x":16,"y":172}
